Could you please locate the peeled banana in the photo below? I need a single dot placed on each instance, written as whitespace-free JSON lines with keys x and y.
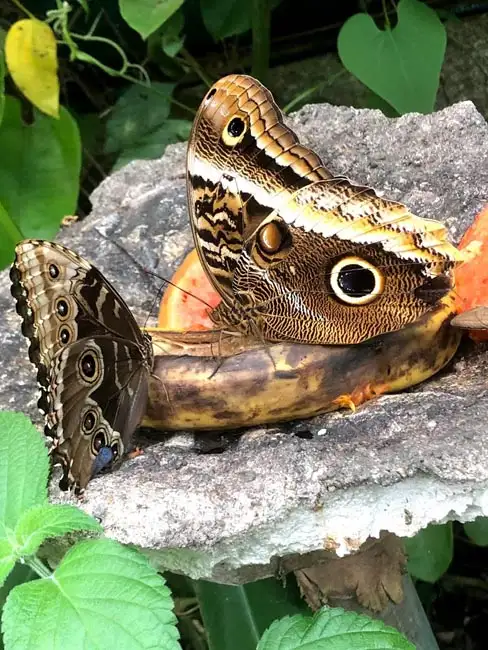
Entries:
{"x":215,"y":380}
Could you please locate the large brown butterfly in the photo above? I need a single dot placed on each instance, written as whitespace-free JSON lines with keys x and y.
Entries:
{"x":295,"y":253}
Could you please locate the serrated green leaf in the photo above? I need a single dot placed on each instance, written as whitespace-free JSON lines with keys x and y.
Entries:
{"x":153,"y":144}
{"x":39,"y":179}
{"x":224,"y":19}
{"x":332,"y":629}
{"x":171,"y":37}
{"x":477,"y":531}
{"x":100,"y":591}
{"x":402,"y":64}
{"x":21,"y":573}
{"x":7,"y":559}
{"x":44,"y":521}
{"x":24,"y":468}
{"x":138,"y":111}
{"x":429,"y":552}
{"x":145,"y":16}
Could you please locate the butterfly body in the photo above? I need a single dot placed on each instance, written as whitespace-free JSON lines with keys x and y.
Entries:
{"x":93,"y":361}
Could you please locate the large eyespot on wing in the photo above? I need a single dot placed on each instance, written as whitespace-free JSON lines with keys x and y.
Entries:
{"x":355,"y":281}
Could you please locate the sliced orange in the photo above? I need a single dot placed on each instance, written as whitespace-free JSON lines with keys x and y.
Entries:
{"x":472,"y":276}
{"x":185,"y":306}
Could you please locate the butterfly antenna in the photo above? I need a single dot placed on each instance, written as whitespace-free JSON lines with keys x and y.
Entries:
{"x":146,"y":271}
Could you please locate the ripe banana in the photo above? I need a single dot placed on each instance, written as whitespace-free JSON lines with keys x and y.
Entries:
{"x":207,"y":380}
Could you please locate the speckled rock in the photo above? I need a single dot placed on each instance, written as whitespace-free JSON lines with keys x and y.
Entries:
{"x":396,"y":464}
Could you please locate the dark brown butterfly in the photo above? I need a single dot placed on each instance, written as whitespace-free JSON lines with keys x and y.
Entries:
{"x":92,"y":358}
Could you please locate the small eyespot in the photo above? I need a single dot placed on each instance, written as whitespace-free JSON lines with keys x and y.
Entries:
{"x":356,"y":281}
{"x":210,"y":95}
{"x":88,"y":365}
{"x":272,"y":237}
{"x":64,"y":336}
{"x":62,"y":307}
{"x":234,"y":131}
{"x":89,"y":421}
{"x":98,"y":442}
{"x":53,"y":271}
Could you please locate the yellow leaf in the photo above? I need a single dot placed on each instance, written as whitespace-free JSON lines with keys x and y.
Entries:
{"x":30,"y":53}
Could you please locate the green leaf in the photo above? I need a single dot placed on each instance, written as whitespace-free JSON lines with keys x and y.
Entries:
{"x":7,"y":559}
{"x":430,"y":552}
{"x":171,"y":37}
{"x":402,"y":64}
{"x":101,"y":593}
{"x":154,"y":144}
{"x":332,"y":629}
{"x":2,"y":83}
{"x":39,"y":179}
{"x":236,"y":616}
{"x":145,"y":16}
{"x":24,"y":468}
{"x":45,"y":521}
{"x":224,"y":19}
{"x":9,"y":236}
{"x":138,"y":111}
{"x":477,"y":531}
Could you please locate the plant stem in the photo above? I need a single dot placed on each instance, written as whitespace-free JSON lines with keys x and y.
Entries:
{"x":39,"y":567}
{"x":196,"y":67}
{"x":261,"y":22}
{"x":385,"y":14}
{"x":309,"y":91}
{"x":20,"y":6}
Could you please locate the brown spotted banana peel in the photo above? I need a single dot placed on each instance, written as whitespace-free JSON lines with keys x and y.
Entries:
{"x":206,"y":381}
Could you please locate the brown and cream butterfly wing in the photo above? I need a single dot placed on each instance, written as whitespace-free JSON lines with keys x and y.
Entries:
{"x":69,"y":309}
{"x":337,"y":264}
{"x":97,"y":396}
{"x":243,"y":162}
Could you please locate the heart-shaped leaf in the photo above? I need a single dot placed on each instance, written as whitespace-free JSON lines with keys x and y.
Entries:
{"x":401,"y":65}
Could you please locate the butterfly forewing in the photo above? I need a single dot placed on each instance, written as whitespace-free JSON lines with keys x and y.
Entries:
{"x":242,"y":163}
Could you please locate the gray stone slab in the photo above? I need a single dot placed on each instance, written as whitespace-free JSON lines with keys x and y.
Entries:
{"x":396,"y":464}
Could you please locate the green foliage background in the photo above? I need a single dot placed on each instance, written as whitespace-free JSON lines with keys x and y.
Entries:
{"x":130,"y":85}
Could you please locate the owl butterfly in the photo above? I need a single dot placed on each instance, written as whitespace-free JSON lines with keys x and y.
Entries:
{"x":93,"y":361}
{"x":296,"y":253}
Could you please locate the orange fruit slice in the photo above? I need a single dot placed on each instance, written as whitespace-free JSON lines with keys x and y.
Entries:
{"x":472,"y":276}
{"x":185,"y":306}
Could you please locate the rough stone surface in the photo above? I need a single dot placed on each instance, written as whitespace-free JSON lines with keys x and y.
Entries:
{"x":396,"y":464}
